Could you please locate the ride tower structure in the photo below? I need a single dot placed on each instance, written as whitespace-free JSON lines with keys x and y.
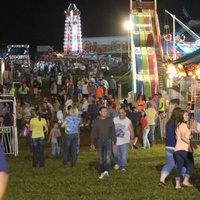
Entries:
{"x":148,"y":75}
{"x":72,"y":33}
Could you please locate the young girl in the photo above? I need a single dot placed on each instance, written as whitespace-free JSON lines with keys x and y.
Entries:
{"x":145,"y":130}
{"x":55,"y":138}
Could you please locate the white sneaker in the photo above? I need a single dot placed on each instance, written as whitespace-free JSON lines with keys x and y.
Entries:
{"x":101,"y":176}
{"x":116,"y":167}
{"x":106,"y":174}
{"x":123,"y":170}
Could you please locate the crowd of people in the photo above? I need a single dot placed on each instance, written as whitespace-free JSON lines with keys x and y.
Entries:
{"x":79,"y":101}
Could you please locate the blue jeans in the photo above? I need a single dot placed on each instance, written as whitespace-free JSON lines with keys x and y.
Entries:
{"x":30,"y":142}
{"x":120,"y":155}
{"x":184,"y":158}
{"x":152,"y":132}
{"x":84,"y":117}
{"x":146,"y":143}
{"x":70,"y":148}
{"x":38,"y":148}
{"x":170,"y":162}
{"x":104,"y":153}
{"x":55,"y":149}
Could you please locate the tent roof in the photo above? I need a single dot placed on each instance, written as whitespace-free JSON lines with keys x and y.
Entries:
{"x":191,"y":58}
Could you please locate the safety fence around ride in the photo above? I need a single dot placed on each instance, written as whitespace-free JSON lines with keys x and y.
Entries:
{"x":9,"y":140}
{"x":8,"y":134}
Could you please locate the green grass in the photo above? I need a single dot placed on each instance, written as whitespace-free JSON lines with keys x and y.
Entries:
{"x":140,"y":181}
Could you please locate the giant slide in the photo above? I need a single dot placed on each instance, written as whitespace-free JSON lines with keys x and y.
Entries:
{"x":145,"y":52}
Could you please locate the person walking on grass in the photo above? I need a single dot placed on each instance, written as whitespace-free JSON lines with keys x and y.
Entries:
{"x":38,"y":126}
{"x":145,"y":130}
{"x":84,"y":115}
{"x":55,"y":138}
{"x":71,"y":124}
{"x":125,"y":135}
{"x":170,"y":143}
{"x":183,"y":151}
{"x":112,"y":86}
{"x":103,"y":130}
{"x":133,"y":114}
{"x":151,"y":118}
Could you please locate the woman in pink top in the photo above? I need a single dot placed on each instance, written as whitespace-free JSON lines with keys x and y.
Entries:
{"x":183,"y":151}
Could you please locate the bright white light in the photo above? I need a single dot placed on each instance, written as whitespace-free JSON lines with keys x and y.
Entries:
{"x":171,"y":70}
{"x":128,"y":25}
{"x":198,"y":72}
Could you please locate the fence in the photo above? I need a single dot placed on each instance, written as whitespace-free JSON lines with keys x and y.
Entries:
{"x":8,"y":134}
{"x":9,"y":140}
{"x":162,"y":124}
{"x":195,"y":136}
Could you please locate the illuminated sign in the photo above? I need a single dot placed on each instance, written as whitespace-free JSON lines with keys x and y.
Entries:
{"x":112,"y":44}
{"x":18,"y":57}
{"x":18,"y":46}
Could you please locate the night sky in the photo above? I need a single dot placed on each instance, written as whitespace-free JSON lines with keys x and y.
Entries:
{"x":41,"y":22}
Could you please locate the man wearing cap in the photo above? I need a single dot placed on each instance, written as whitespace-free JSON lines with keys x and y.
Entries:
{"x":112,"y":86}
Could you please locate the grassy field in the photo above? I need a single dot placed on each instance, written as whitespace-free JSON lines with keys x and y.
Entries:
{"x":140,"y":181}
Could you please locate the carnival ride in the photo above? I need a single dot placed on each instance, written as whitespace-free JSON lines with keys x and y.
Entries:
{"x":177,"y":45}
{"x":72,"y":33}
{"x":149,"y":50}
{"x":146,"y":49}
{"x":184,"y":69}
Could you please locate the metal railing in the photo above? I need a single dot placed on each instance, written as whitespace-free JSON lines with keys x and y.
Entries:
{"x":9,"y":140}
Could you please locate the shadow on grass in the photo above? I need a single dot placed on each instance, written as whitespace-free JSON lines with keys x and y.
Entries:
{"x":195,"y":177}
{"x":94,"y":166}
{"x":159,"y":168}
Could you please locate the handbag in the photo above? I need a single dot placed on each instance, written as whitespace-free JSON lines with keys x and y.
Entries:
{"x":25,"y":131}
{"x":193,"y":145}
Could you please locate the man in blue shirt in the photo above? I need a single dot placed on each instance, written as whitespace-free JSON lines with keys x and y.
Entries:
{"x":3,"y":173}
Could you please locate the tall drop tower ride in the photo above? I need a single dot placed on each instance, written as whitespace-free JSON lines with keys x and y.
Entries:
{"x":72,"y":33}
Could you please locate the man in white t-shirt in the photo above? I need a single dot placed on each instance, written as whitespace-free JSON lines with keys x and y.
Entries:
{"x":125,"y":135}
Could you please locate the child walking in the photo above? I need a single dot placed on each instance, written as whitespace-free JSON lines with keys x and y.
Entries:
{"x":56,"y":138}
{"x":145,"y":130}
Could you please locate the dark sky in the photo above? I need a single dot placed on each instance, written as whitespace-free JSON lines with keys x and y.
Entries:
{"x":41,"y":22}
